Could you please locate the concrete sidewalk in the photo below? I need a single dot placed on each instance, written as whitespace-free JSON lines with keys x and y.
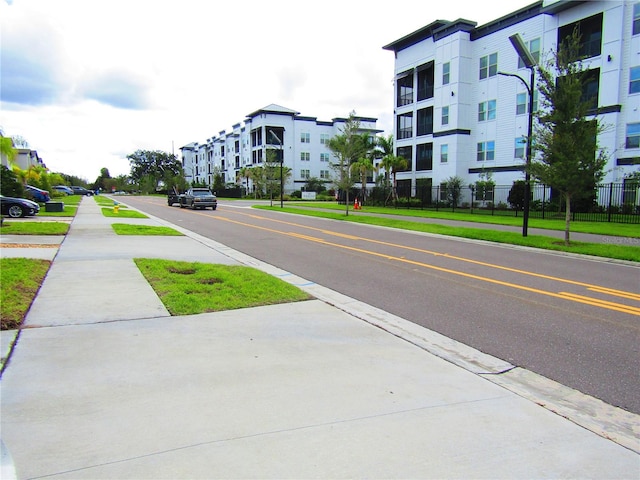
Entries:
{"x":104,"y":383}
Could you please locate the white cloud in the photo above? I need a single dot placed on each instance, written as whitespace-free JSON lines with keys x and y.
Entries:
{"x":87,"y":83}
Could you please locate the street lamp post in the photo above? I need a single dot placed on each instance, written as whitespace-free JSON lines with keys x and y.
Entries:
{"x":530,"y":63}
{"x":281,"y":162}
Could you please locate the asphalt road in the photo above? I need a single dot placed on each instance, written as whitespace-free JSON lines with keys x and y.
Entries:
{"x":574,"y":320}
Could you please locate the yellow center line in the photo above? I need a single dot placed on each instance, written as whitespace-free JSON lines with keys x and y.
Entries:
{"x":561,"y":295}
{"x":603,"y":303}
{"x":611,"y":291}
{"x":616,"y":293}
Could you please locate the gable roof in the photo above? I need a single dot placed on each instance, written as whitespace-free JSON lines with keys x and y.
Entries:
{"x":273,"y":108}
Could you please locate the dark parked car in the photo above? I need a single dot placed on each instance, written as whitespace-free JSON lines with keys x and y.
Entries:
{"x":38,"y":194}
{"x":18,"y":207}
{"x":64,"y":189}
{"x":81,"y":191}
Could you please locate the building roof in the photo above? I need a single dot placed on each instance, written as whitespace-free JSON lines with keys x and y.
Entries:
{"x":273,"y":108}
{"x":442,"y":28}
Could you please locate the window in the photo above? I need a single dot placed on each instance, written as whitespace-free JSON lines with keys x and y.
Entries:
{"x":305,"y":156}
{"x":491,"y":110}
{"x":324,"y":138}
{"x":445,"y":115}
{"x":306,"y":174}
{"x":590,"y":31}
{"x":590,"y":87}
{"x":444,"y":153}
{"x":425,"y":121}
{"x":424,"y":156}
{"x":487,"y":110}
{"x":274,"y":135}
{"x":444,"y":193}
{"x":521,"y":145}
{"x":446,"y":70}
{"x":636,"y":18}
{"x":425,"y":81}
{"x":305,"y":137}
{"x":521,"y":103}
{"x":534,"y":50}
{"x":324,"y":157}
{"x":405,"y":126}
{"x":630,"y":188}
{"x":634,"y":81}
{"x":489,"y":66}
{"x":486,"y":151}
{"x":256,"y":137}
{"x":633,"y":135}
{"x":324,"y":174}
{"x":407,"y":154}
{"x":405,"y":90}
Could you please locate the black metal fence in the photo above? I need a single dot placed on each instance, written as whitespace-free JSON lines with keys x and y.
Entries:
{"x":613,"y":202}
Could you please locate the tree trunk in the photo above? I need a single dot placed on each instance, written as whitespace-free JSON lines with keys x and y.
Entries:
{"x":567,"y":218}
{"x":346,"y":202}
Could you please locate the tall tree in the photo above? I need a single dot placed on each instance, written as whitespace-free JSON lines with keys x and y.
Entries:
{"x":569,"y":159}
{"x":347,"y":148}
{"x":152,"y":167}
{"x":362,"y":167}
{"x":7,"y":149}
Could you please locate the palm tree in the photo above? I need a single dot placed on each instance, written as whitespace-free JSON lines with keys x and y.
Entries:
{"x":246,"y":174}
{"x":390,"y":162}
{"x":362,"y":167}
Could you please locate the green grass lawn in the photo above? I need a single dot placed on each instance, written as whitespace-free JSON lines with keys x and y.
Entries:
{"x":34,"y":228}
{"x":188,"y":288}
{"x":617,"y":250}
{"x":127,"y":229}
{"x":598,"y":228}
{"x":105,"y":201}
{"x":21,"y":279}
{"x":122,"y":213}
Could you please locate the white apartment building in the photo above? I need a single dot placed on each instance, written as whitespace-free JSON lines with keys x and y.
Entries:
{"x":455,"y":115}
{"x":302,"y":142}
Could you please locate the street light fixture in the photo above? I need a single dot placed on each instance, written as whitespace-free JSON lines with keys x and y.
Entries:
{"x":530,"y":63}
{"x":281,"y":162}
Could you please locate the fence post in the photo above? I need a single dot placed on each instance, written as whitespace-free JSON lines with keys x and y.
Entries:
{"x":610,"y":197}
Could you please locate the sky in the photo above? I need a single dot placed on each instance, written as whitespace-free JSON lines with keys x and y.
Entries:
{"x":87,"y":83}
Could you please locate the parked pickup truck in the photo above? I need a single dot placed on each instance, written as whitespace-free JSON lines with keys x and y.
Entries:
{"x":194,"y":198}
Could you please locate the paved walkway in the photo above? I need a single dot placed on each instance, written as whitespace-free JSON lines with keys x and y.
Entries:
{"x":103,"y":383}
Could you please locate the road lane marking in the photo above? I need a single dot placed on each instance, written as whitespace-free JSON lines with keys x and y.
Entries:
{"x":603,"y":303}
{"x":560,"y":295}
{"x":617,"y":293}
{"x":621,"y":293}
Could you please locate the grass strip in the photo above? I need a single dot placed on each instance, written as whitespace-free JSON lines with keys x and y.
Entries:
{"x":598,"y":228}
{"x":21,"y":280}
{"x":128,"y":229}
{"x":108,"y":212}
{"x":105,"y":201}
{"x":609,"y":250}
{"x":188,"y":288}
{"x":34,"y":228}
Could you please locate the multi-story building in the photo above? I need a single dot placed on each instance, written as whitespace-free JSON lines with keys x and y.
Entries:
{"x":300,"y":141}
{"x":456,"y":115}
